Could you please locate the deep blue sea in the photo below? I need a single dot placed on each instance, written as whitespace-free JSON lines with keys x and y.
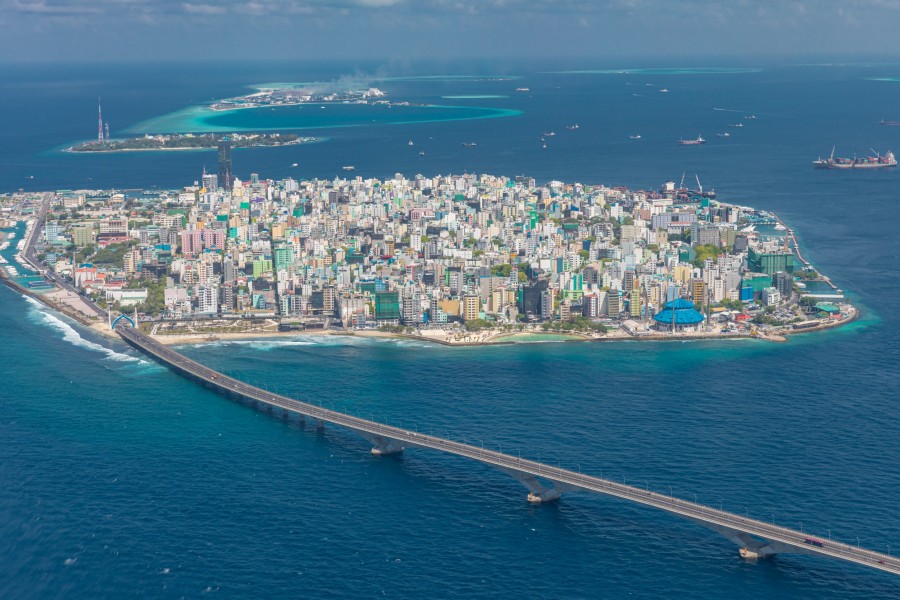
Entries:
{"x":120,"y":479}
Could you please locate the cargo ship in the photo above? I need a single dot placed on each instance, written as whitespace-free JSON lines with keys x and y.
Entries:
{"x":879,"y":161}
{"x":695,"y":142}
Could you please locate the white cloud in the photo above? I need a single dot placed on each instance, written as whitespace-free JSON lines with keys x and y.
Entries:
{"x":202,"y":9}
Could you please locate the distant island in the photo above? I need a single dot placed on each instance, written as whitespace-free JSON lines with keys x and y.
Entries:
{"x":190,"y":141}
{"x":290,"y":96}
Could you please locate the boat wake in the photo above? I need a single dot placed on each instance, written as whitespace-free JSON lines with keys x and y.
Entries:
{"x":266,"y":345}
{"x":73,"y":337}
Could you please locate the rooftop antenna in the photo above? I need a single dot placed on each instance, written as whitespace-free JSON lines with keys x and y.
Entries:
{"x":99,"y":121}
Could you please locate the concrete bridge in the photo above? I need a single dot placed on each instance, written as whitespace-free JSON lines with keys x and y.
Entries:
{"x":757,"y":539}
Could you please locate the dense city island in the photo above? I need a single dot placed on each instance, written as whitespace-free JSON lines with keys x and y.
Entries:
{"x":454,"y":259}
{"x":190,"y":141}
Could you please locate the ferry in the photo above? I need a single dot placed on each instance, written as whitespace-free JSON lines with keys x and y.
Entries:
{"x":349,"y":168}
{"x":695,"y":142}
{"x":879,"y":161}
{"x":893,"y":123}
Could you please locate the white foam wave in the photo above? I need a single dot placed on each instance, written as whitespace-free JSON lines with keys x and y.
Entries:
{"x":72,"y":336}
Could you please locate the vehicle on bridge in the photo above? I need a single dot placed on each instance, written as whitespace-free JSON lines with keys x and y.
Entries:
{"x":813,"y":542}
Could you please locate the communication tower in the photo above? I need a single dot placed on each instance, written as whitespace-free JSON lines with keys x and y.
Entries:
{"x":99,"y":121}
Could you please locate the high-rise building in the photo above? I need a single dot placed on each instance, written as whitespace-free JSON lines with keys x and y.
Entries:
{"x":784,"y":283}
{"x":210,"y":181}
{"x":698,"y":291}
{"x":328,"y":300}
{"x":387,"y":307}
{"x":410,"y":307}
{"x":226,"y":179}
{"x":546,"y":304}
{"x":614,"y":303}
{"x":471,"y":307}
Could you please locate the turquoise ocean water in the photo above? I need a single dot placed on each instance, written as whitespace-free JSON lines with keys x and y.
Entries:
{"x":118,"y":478}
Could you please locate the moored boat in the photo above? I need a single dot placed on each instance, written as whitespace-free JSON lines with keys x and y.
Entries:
{"x":694,"y":142}
{"x":879,"y":161}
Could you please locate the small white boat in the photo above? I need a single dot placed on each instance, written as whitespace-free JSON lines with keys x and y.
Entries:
{"x":349,"y":168}
{"x":294,"y":164}
{"x":634,"y":137}
{"x":664,"y":91}
{"x":410,"y":143}
{"x":724,"y":134}
{"x":748,"y":554}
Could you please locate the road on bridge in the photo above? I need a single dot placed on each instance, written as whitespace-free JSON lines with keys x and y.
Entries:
{"x":782,"y":539}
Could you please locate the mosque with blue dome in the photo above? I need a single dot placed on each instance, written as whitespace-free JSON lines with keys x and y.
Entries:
{"x":679,"y":315}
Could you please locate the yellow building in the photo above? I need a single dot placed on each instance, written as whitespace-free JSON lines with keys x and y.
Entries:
{"x":470,"y":307}
{"x":682,"y":273}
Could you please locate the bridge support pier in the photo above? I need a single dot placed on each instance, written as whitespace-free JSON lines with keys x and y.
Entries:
{"x":320,"y":425}
{"x":382,"y":446}
{"x":751,"y":548}
{"x":538,"y":493}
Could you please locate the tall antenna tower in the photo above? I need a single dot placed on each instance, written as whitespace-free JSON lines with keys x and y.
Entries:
{"x":99,"y":121}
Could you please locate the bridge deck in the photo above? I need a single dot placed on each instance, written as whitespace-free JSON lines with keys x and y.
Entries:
{"x":730,"y":524}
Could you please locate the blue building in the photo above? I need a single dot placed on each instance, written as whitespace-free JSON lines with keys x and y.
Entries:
{"x":679,"y":315}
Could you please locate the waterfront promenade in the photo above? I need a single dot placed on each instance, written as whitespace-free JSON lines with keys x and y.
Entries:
{"x":545,"y":482}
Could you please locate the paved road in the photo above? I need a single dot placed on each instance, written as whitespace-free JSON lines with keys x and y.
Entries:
{"x":774,"y":538}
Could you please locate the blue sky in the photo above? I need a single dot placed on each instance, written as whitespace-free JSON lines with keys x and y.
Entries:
{"x":411,"y":29}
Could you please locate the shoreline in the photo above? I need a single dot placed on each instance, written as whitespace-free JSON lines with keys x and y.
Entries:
{"x":71,"y":149}
{"x":488,"y":338}
{"x":498,"y":338}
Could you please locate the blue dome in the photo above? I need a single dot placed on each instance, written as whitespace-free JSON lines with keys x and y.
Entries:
{"x":685,"y":313}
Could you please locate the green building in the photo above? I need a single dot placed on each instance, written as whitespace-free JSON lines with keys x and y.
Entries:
{"x":770,"y":262}
{"x":387,"y":306}
{"x":284,"y":257}
{"x":83,"y":235}
{"x":260,"y":266}
{"x":758,"y":282}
